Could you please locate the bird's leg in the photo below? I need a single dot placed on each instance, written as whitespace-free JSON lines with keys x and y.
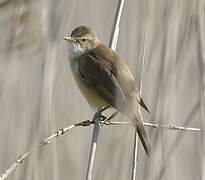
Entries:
{"x":98,"y":114}
{"x":112,"y":116}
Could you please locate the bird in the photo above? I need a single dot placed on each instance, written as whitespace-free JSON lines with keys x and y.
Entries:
{"x":104,"y":79}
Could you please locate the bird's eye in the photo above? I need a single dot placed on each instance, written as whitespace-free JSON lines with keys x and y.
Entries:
{"x":84,"y":40}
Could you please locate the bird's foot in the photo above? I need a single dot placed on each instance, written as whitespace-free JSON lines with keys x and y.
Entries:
{"x":108,"y":120}
{"x":103,"y":120}
{"x":98,"y":115}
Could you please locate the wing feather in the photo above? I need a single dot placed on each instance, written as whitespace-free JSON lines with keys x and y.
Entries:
{"x":100,"y":77}
{"x":109,"y":76}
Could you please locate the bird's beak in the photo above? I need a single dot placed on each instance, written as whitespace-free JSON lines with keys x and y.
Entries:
{"x":68,"y":39}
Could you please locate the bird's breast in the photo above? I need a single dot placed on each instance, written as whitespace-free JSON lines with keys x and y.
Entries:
{"x":88,"y":91}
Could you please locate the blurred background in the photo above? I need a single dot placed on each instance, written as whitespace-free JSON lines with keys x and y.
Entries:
{"x":38,"y":94}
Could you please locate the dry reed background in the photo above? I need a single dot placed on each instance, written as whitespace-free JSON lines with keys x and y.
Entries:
{"x":38,"y":94}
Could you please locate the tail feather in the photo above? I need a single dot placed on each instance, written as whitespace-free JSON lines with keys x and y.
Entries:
{"x":143,"y":137}
{"x":141,"y":102}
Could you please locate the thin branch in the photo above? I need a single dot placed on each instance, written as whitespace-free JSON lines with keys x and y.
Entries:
{"x":44,"y":142}
{"x":135,"y":155}
{"x":116,"y":26}
{"x":85,"y":123}
{"x":135,"y":152}
{"x":171,"y":127}
{"x":158,"y":126}
{"x":96,"y":129}
{"x":96,"y":133}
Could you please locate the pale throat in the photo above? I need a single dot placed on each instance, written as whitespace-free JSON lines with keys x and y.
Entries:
{"x":74,"y":51}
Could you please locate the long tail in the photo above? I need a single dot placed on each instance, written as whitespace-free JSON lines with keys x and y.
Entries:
{"x":141,"y":102}
{"x":143,"y":136}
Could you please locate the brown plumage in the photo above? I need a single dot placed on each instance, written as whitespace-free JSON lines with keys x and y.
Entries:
{"x":101,"y":74}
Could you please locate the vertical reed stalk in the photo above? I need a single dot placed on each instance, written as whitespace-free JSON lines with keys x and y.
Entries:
{"x":96,"y":130}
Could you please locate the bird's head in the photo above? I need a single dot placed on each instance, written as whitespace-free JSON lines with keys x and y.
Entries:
{"x":81,"y":40}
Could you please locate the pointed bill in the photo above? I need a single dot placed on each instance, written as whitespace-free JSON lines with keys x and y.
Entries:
{"x":68,"y":39}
